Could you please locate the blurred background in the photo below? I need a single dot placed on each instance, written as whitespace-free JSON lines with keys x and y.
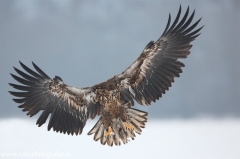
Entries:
{"x":87,"y":42}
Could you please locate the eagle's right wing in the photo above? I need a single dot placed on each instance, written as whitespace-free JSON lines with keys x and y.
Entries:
{"x":154,"y":70}
{"x":69,"y":107}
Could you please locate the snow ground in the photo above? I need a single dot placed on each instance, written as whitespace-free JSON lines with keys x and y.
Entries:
{"x":162,"y":139}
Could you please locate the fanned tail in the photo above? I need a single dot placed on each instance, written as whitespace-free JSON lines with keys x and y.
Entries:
{"x":120,"y":130}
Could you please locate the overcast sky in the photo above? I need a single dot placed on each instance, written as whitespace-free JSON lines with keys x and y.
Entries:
{"x":87,"y":42}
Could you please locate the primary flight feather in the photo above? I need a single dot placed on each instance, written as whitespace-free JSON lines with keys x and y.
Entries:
{"x":144,"y":81}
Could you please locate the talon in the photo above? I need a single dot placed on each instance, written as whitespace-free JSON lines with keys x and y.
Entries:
{"x":128,"y":126}
{"x":108,"y":132}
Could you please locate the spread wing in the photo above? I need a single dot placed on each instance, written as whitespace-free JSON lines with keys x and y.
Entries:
{"x":69,"y":107}
{"x":154,"y":70}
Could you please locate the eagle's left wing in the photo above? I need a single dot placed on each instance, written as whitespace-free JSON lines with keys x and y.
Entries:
{"x":154,"y":70}
{"x":69,"y":107}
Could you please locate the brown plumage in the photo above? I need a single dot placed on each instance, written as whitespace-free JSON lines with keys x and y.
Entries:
{"x":144,"y":81}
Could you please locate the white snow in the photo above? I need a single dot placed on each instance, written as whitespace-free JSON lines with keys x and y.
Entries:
{"x":162,"y":139}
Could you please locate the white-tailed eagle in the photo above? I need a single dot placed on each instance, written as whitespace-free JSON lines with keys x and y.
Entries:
{"x":144,"y":81}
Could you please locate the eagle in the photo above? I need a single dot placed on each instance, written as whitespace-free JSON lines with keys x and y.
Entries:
{"x":144,"y":81}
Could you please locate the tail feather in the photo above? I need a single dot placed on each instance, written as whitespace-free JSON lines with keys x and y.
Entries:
{"x":137,"y":112}
{"x":116,"y":132}
{"x":96,"y":127}
{"x":99,"y":133}
{"x":136,"y":119}
{"x":131,"y":134}
{"x":140,"y":124}
{"x":110,"y":140}
{"x":104,"y":139}
{"x":124,"y":136}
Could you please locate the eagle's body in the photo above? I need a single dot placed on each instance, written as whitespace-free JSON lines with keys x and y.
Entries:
{"x":144,"y":81}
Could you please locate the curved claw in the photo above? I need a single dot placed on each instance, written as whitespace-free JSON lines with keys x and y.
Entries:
{"x":130,"y":127}
{"x":109,"y":132}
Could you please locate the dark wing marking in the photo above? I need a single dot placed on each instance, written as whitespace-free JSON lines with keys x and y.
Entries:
{"x":69,"y":107}
{"x":154,"y":70}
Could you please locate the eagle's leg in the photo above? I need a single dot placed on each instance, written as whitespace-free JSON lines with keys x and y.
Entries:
{"x":130,"y":127}
{"x":109,"y":132}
